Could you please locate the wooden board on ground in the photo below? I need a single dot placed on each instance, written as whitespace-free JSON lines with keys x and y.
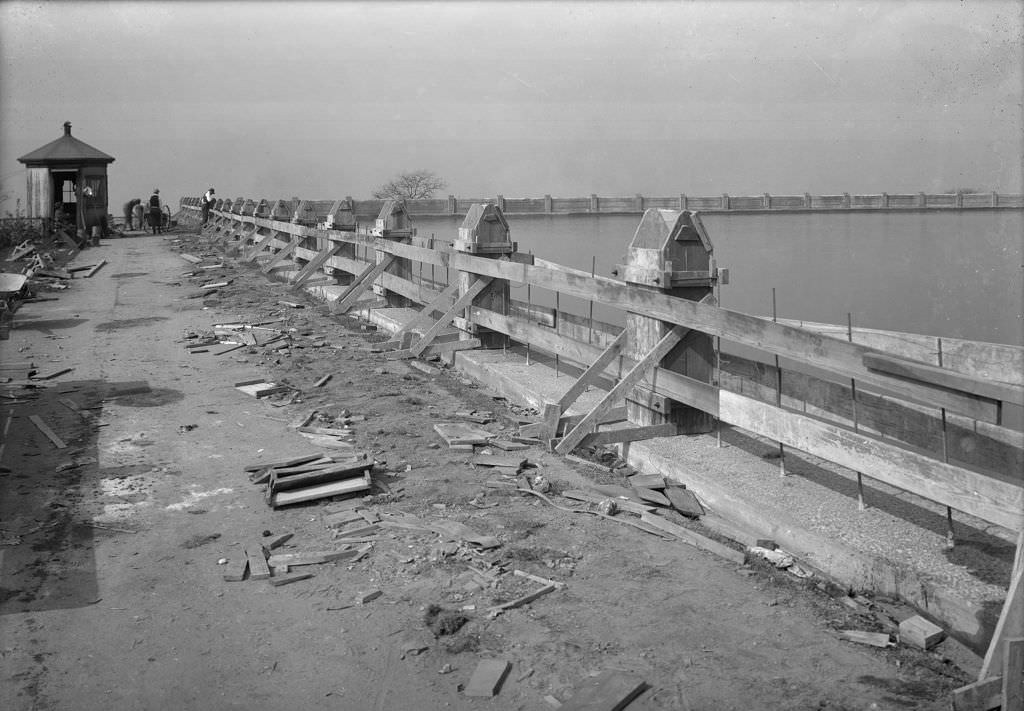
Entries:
{"x":651,"y":496}
{"x":507,"y":446}
{"x":594,"y":498}
{"x":459,"y":433}
{"x":295,"y":461}
{"x":608,"y":691}
{"x":234,"y":571}
{"x":312,"y":557}
{"x":286,"y":579}
{"x":684,"y":501}
{"x":918,"y":632}
{"x":320,"y":491}
{"x":647,"y":481}
{"x":487,"y":678}
{"x":494,"y":460}
{"x":694,"y":539}
{"x":258,"y":568}
{"x":50,"y":435}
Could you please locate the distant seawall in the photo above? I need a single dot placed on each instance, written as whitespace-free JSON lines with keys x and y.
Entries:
{"x":635,"y":205}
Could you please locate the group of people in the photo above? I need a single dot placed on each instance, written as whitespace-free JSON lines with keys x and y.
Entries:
{"x":138,"y":217}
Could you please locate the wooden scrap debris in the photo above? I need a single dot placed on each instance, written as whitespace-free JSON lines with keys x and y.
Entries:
{"x":323,"y":381}
{"x":694,"y":539}
{"x":96,"y":267}
{"x":459,"y":435}
{"x":312,"y":557}
{"x":280,"y":580}
{"x":487,"y":678}
{"x":520,"y":601}
{"x":684,"y":501}
{"x":257,"y":557}
{"x":647,"y":481}
{"x":295,"y":461}
{"x":54,"y":374}
{"x":320,"y":491}
{"x":50,"y":434}
{"x":235,"y":570}
{"x":918,"y":632}
{"x":652,"y":496}
{"x":425,"y":368}
{"x":364,"y":598}
{"x":292,"y":304}
{"x":491,"y":460}
{"x":279,"y":540}
{"x":508,"y":446}
{"x":261,"y":388}
{"x":875,"y":639}
{"x":190,"y":258}
{"x":608,"y":691}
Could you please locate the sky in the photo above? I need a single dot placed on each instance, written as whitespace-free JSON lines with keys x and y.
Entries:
{"x":323,"y":100}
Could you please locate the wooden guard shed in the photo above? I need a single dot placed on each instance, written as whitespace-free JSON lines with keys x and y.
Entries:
{"x":67,"y":180}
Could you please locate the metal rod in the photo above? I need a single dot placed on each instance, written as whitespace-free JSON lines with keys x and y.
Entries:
{"x":529,"y":317}
{"x":557,"y":307}
{"x":950,"y":532}
{"x":718,"y":366}
{"x":861,"y":505}
{"x":778,"y":395}
{"x":593,"y":271}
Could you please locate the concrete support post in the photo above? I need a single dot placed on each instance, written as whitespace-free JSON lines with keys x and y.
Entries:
{"x":669,"y":241}
{"x":484,"y":233}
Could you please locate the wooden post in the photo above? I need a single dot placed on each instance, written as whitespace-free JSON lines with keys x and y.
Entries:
{"x":639,"y":202}
{"x":394,"y":225}
{"x":667,"y":242}
{"x":484,"y":233}
{"x":452,"y":204}
{"x":922,"y":200}
{"x":847,"y":202}
{"x":593,"y":202}
{"x":767,"y":201}
{"x":547,"y":203}
{"x":807,"y":200}
{"x":995,"y":199}
{"x":725,"y":201}
{"x":342,"y":217}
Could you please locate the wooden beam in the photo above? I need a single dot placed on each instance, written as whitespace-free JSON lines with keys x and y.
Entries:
{"x":361,"y":283}
{"x":259,"y":247}
{"x":934,"y":375}
{"x":1013,"y":675}
{"x":460,"y":303}
{"x":991,"y":499}
{"x":281,"y":255}
{"x":633,"y":377}
{"x":314,"y":264}
{"x":426,"y":315}
{"x":436,"y":349}
{"x":985,"y":695}
{"x":1011,"y":619}
{"x":613,"y":351}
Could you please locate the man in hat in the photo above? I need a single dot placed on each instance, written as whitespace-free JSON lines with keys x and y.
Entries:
{"x":155,"y":215}
{"x":208,"y":201}
{"x":129,"y":208}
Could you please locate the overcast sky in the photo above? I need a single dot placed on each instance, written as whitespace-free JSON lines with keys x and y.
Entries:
{"x":327,"y":99}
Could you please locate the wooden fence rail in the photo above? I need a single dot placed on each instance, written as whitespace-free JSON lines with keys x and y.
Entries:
{"x":935,"y":432}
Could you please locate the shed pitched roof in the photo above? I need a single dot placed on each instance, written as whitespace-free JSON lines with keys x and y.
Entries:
{"x":67,"y":148}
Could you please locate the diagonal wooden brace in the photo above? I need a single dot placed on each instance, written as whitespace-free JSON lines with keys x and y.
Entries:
{"x":634,"y":376}
{"x":314,"y":264}
{"x":362,"y":282}
{"x":281,"y":255}
{"x":593,"y":372}
{"x":426,"y":315}
{"x":259,"y":247}
{"x":461,"y":303}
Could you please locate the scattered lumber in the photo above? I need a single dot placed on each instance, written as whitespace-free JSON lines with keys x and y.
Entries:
{"x":54,"y":374}
{"x":260,"y":388}
{"x":487,"y":678}
{"x":520,"y":601}
{"x":492,"y":460}
{"x":288,"y":579}
{"x":323,"y":381}
{"x":190,"y":258}
{"x":279,"y":560}
{"x":694,"y":539}
{"x":624,"y":504}
{"x":320,"y":491}
{"x":684,"y":501}
{"x":507,"y":446}
{"x":875,"y":639}
{"x":652,"y":496}
{"x":302,"y":459}
{"x":289,"y":482}
{"x":50,"y":434}
{"x":257,"y":558}
{"x":235,"y":570}
{"x":95,"y":268}
{"x":608,"y":691}
{"x":459,"y":435}
{"x":647,"y":481}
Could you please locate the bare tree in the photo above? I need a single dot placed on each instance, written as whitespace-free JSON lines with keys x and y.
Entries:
{"x":413,"y":185}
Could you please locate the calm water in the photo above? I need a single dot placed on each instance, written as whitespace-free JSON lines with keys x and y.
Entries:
{"x":956,"y":274}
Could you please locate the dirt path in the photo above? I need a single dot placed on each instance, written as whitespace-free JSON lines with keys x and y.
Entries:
{"x":112,"y":596}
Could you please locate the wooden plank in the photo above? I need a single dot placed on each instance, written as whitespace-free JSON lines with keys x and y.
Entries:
{"x":336,"y":488}
{"x":993,"y":500}
{"x":694,"y":539}
{"x":96,"y":267}
{"x":322,"y":381}
{"x":460,"y":303}
{"x":361,"y":284}
{"x":425,"y":317}
{"x":50,"y":434}
{"x":595,"y":498}
{"x":280,"y":256}
{"x":918,"y":632}
{"x":651,"y":496}
{"x":289,"y":579}
{"x":841,"y":358}
{"x":294,"y":461}
{"x":258,"y":568}
{"x":339,"y":472}
{"x":487,"y":678}
{"x":460,"y":433}
{"x":934,"y":375}
{"x":235,"y":570}
{"x":648,"y":481}
{"x":984,"y":695}
{"x":259,"y":247}
{"x":436,"y":349}
{"x":493,"y":460}
{"x":684,"y":501}
{"x":628,"y":434}
{"x":1013,"y":675}
{"x":610,"y":690}
{"x":607,"y":357}
{"x":520,"y":601}
{"x":587,"y":425}
{"x":313,"y":265}
{"x":1011,"y":618}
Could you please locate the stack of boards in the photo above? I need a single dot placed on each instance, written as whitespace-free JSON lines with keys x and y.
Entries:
{"x":310,"y":477}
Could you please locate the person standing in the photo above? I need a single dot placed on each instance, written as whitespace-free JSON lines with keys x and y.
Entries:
{"x":129,"y":211}
{"x":208,"y":201}
{"x":140,"y":213}
{"x":155,"y":213}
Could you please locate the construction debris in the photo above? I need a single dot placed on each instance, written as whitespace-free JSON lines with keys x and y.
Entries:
{"x":918,"y":632}
{"x":487,"y":678}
